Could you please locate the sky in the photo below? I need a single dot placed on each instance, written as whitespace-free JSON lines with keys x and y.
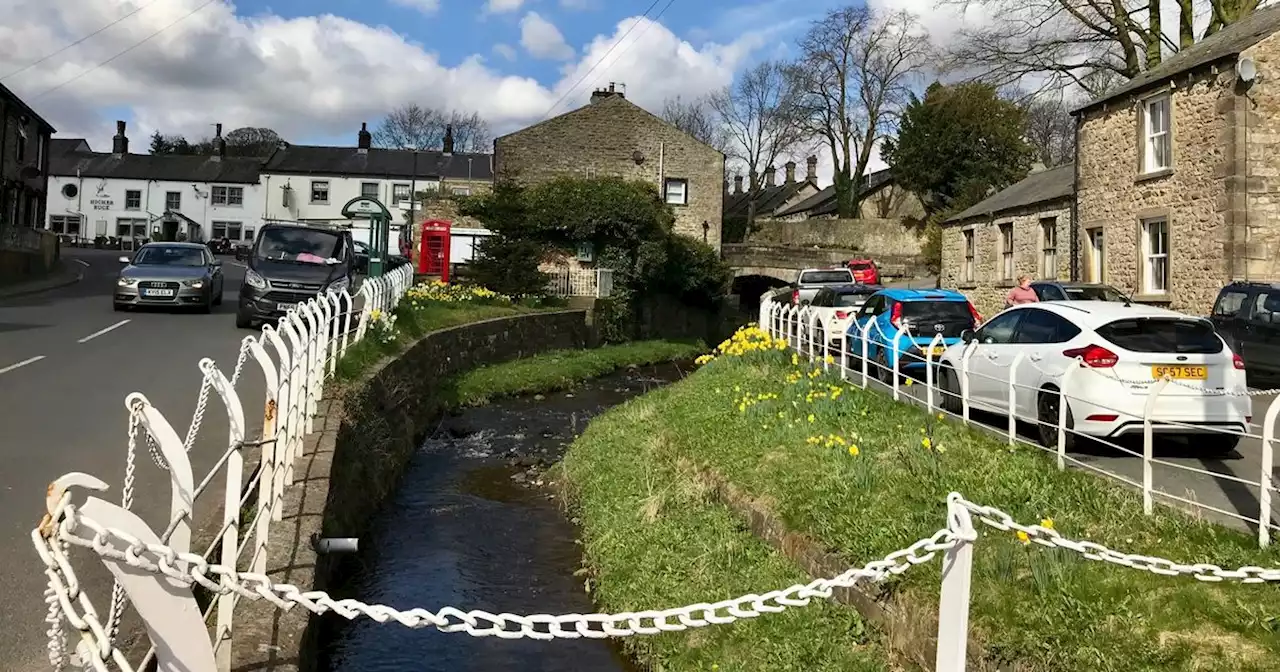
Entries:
{"x":314,"y":70}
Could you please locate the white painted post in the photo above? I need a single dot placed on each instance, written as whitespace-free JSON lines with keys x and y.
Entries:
{"x":296,"y":398}
{"x":1062,"y":412}
{"x":844,"y":357}
{"x":811,"y":319}
{"x":896,"y":364}
{"x":346,"y":319}
{"x":230,"y":506}
{"x":311,"y":331}
{"x":929,"y":381}
{"x":268,"y":463}
{"x":1264,"y":480}
{"x":964,"y":381}
{"x":866,"y":331}
{"x":280,"y":455}
{"x":957,"y":580}
{"x":182,"y":483}
{"x":763,"y":314}
{"x":1148,"y":441}
{"x":1013,"y":396}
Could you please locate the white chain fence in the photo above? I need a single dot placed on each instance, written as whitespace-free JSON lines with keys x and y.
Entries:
{"x":864,"y":357}
{"x":296,"y":356}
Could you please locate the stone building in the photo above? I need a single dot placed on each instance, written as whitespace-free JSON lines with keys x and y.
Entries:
{"x":773,"y":196}
{"x":882,"y":198}
{"x":1178,"y":190}
{"x":24,"y":164}
{"x":1024,"y":229}
{"x":612,"y":136}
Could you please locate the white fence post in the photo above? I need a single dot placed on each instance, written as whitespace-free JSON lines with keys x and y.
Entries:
{"x":182,"y":483}
{"x":1264,"y":480}
{"x":811,"y":318}
{"x":1148,"y":441}
{"x":1013,"y":396}
{"x":844,"y":354}
{"x":1062,"y":413}
{"x":268,"y":463}
{"x":964,"y":381}
{"x":896,"y":365}
{"x":929,"y":381}
{"x":866,"y":330}
{"x":284,"y":431}
{"x":230,"y":507}
{"x":957,"y":580}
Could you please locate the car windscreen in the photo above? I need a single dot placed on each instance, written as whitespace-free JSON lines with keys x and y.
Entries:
{"x":1163,"y":334}
{"x":1093,"y":294}
{"x":860,"y":266}
{"x":301,"y":245}
{"x":938,"y":311}
{"x":852,"y":299}
{"x":825,"y":277}
{"x":161,"y":255}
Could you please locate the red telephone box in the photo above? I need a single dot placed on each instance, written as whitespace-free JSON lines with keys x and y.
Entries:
{"x":433,"y":248}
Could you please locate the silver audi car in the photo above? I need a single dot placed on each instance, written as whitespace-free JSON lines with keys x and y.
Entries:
{"x":170,"y":275}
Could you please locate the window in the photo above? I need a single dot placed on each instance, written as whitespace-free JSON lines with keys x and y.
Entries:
{"x":40,"y":152}
{"x":229,"y":196}
{"x":1042,"y":326}
{"x":20,"y":149}
{"x":1000,"y":330}
{"x":826,"y":277}
{"x":250,"y":234}
{"x":68,"y":224}
{"x":1155,"y":256}
{"x":399,"y":193}
{"x":132,"y":200}
{"x":676,"y":191}
{"x":966,"y":273}
{"x":461,"y":191}
{"x":1049,"y":248}
{"x":136,"y":228}
{"x":173,"y":200}
{"x":1006,"y":251}
{"x":1097,"y":256}
{"x":1157,"y":142}
{"x":1266,"y":307}
{"x":320,"y":191}
{"x":231,"y":230}
{"x":367,"y":190}
{"x":1229,"y":304}
{"x":1189,"y":336}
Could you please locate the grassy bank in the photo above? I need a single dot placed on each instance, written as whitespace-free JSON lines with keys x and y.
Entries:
{"x":563,"y":369}
{"x":864,"y":476}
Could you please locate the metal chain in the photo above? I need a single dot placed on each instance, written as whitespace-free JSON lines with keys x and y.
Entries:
{"x":201,"y":403}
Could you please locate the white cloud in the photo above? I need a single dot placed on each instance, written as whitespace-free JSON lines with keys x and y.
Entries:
{"x":306,"y":77}
{"x":425,"y":6}
{"x":542,"y":39}
{"x":502,"y":6}
{"x":506,"y":51}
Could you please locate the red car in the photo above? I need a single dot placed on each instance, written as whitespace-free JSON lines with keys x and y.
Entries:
{"x":864,"y":271}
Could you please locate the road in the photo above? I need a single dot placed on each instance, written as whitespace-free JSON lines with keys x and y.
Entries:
{"x":67,"y":362}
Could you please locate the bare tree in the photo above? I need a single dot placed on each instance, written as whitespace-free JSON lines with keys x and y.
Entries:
{"x":759,"y":117}
{"x":854,"y":75}
{"x":1050,"y":129}
{"x":413,"y":126}
{"x":1069,"y":42}
{"x":697,"y":118}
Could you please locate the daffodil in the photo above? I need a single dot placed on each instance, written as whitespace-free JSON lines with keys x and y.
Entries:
{"x":1022,"y":536}
{"x":1047,"y":523}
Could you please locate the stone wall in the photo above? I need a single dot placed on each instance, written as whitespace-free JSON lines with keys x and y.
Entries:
{"x":605,"y":138}
{"x":368,"y":431}
{"x":869,"y":236}
{"x":987,"y":288}
{"x":1253,"y":197}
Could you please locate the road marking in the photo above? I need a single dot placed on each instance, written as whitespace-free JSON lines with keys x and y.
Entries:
{"x":21,"y":364}
{"x":100,"y":332}
{"x":82,"y":262}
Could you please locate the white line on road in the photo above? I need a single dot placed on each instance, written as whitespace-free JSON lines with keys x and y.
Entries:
{"x":21,"y":364}
{"x":100,"y":332}
{"x":82,"y":262}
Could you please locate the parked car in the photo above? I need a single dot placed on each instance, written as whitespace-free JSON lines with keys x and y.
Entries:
{"x":169,"y":275}
{"x":812,"y":279}
{"x":864,"y":271}
{"x":834,"y":309}
{"x":1057,"y":290}
{"x":926,"y":313}
{"x":292,"y":263}
{"x":1127,"y":347}
{"x":1247,"y":316}
{"x":220,"y":245}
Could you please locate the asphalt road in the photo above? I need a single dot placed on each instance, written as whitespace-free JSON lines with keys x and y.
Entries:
{"x":67,"y":362}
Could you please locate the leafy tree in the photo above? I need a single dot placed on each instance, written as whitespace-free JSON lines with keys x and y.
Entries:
{"x":245,"y":141}
{"x":509,"y":266}
{"x":958,"y":143}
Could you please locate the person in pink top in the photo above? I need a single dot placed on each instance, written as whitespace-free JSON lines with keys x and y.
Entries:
{"x":1022,"y":293}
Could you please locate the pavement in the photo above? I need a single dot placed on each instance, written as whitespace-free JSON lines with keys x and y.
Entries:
{"x":68,"y":271}
{"x":67,"y":362}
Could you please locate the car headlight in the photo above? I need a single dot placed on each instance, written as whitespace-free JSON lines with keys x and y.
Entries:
{"x":254,"y":280}
{"x":339,"y":285}
{"x":127,"y":282}
{"x":194,"y":284}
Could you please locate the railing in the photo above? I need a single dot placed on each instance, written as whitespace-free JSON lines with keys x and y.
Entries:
{"x":158,"y":572}
{"x":802,"y":326}
{"x":296,"y":356}
{"x":597,"y":282}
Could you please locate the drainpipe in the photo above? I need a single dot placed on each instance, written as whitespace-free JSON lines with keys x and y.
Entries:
{"x":1075,"y":205}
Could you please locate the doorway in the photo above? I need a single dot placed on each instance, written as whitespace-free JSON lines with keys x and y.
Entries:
{"x":1097,"y":256}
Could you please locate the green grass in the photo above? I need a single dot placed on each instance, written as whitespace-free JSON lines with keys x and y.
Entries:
{"x":412,"y":324}
{"x":1039,"y":609}
{"x":563,"y":369}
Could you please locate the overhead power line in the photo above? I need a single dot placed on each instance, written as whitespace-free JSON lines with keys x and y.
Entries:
{"x":51,"y":54}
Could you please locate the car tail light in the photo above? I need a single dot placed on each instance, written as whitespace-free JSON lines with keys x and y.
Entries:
{"x":977,"y":317}
{"x":795,"y":297}
{"x":895,"y":317}
{"x":1238,"y":361}
{"x":841,"y":315}
{"x":1094,"y":356}
{"x":1102,"y":417}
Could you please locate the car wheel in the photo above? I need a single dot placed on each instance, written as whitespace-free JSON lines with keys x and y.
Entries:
{"x":881,"y":364}
{"x":950,"y":385}
{"x":1047,"y":410}
{"x":1217,"y":445}
{"x":243,"y":321}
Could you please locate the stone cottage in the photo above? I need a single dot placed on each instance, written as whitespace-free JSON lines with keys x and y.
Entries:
{"x":611,"y":136}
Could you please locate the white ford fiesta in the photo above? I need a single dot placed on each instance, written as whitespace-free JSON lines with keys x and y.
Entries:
{"x":1122,"y":350}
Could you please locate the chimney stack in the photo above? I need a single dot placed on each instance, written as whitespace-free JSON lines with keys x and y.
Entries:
{"x":791,"y":172}
{"x":602,"y":93}
{"x":364,"y":140}
{"x":737,"y":185}
{"x":448,"y":139}
{"x":120,"y":143}
{"x":770,"y":177}
{"x":811,"y":169}
{"x":219,"y":143}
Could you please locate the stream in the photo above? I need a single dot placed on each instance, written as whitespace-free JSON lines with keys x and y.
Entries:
{"x":473,"y":526}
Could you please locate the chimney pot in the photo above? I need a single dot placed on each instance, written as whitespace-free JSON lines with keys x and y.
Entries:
{"x":811,"y":169}
{"x":364,"y":140}
{"x":791,"y":172}
{"x":770,"y":177}
{"x":737,"y":184}
{"x":448,"y":139}
{"x":120,"y":143}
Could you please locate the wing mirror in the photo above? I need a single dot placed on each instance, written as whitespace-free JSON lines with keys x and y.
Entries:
{"x":968,"y":336}
{"x":217,"y":263}
{"x":124,"y":260}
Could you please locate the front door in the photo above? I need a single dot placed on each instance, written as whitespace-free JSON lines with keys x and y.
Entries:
{"x":1097,"y":256}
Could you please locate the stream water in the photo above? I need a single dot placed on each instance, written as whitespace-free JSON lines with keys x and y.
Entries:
{"x":473,"y":527}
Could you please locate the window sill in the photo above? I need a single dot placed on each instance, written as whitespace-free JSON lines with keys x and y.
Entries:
{"x":1153,"y":175}
{"x":967,"y":285}
{"x":1152,"y":298}
{"x":1006,"y":284}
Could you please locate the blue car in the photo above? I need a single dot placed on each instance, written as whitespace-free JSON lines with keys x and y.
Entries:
{"x":926,"y":312}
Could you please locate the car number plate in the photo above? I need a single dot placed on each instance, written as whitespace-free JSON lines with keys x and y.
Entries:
{"x":1179,"y":372}
{"x":286,"y":306}
{"x":157,"y":292}
{"x":938,"y":350}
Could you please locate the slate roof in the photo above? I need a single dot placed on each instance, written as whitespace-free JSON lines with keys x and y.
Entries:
{"x":63,"y":145}
{"x":1228,"y":42}
{"x":382,"y":163}
{"x":10,"y":95}
{"x":174,"y":167}
{"x":1041,"y":187}
{"x":824,"y":202}
{"x":768,"y":200}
